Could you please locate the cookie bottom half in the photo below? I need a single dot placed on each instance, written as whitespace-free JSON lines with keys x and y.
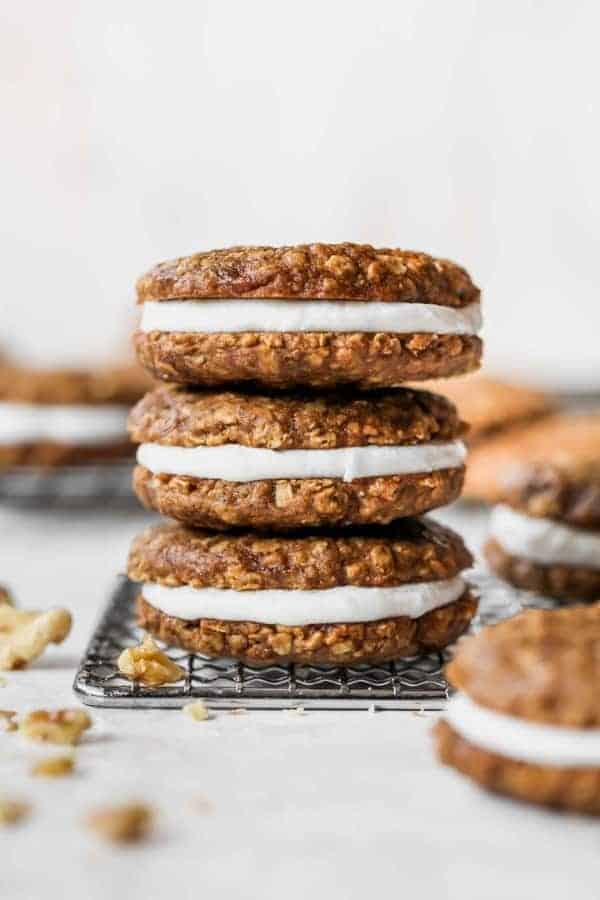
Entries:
{"x":295,"y":503}
{"x":561,"y":787}
{"x":47,"y":454}
{"x":560,"y":581}
{"x":333,"y":644}
{"x":317,"y":359}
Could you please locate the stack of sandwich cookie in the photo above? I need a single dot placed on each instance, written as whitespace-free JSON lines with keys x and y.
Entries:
{"x":527,"y":722}
{"x":66,"y":417}
{"x":347,"y":597}
{"x":250,"y":435}
{"x":545,"y":532}
{"x":293,"y":460}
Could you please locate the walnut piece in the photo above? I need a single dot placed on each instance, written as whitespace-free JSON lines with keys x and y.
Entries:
{"x":25,"y":635}
{"x":12,"y":811}
{"x":122,"y":824}
{"x":148,"y":664}
{"x":54,"y":766}
{"x":198,"y":711}
{"x":63,"y":726}
{"x":7,"y":720}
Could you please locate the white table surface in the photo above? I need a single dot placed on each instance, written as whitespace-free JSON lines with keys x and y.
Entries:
{"x":322,"y":805}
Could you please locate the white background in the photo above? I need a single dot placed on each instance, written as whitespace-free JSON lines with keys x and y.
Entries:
{"x":138,"y":131}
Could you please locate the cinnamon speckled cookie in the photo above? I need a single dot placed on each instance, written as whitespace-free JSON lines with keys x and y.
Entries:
{"x":313,"y":314}
{"x":232,"y":458}
{"x":336,"y":598}
{"x":545,"y":532}
{"x":66,"y":416}
{"x":527,"y":720}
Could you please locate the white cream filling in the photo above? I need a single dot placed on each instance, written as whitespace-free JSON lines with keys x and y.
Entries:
{"x":518,"y":739}
{"x":210,"y":316}
{"x":543,"y":540}
{"x":290,"y":607}
{"x":23,"y":423}
{"x":232,"y":462}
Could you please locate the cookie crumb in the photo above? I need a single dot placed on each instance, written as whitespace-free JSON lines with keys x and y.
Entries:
{"x":197,"y":710}
{"x":8,"y":720}
{"x":63,"y":726}
{"x":296,"y":711}
{"x":12,"y":811}
{"x":54,"y":766}
{"x":127,"y":823}
{"x":238,"y":711}
{"x":201,"y":805}
{"x":147,"y":663}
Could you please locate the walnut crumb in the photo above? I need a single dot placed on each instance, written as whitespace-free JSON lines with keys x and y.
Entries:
{"x":237,"y":711}
{"x":53,"y":766}
{"x":198,"y":711}
{"x":62,"y":726}
{"x":25,"y":635}
{"x":12,"y":811}
{"x":8,"y":720}
{"x":147,"y":663}
{"x":296,"y":711}
{"x":128,"y":823}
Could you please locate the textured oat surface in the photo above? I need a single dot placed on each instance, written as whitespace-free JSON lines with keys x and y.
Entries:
{"x":488,"y":405}
{"x":311,"y":271}
{"x":109,"y":385}
{"x":315,"y":359}
{"x":541,"y":665}
{"x":410,"y":550}
{"x":185,"y":418}
{"x":550,"y":468}
{"x":575,"y":789}
{"x":567,"y":583}
{"x":295,"y":502}
{"x":337,"y":644}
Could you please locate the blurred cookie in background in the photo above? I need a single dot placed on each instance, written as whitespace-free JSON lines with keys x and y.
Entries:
{"x":497,"y":413}
{"x":545,"y":532}
{"x":57,"y":417}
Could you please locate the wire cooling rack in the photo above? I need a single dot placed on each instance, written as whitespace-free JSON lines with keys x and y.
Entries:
{"x":414,"y":683}
{"x":67,"y":486}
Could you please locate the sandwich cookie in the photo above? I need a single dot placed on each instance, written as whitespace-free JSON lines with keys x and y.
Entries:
{"x":66,"y":417}
{"x":545,"y":533}
{"x":527,"y":720}
{"x":367,"y":595}
{"x":315,"y":314}
{"x":496,"y":413}
{"x":292,"y":460}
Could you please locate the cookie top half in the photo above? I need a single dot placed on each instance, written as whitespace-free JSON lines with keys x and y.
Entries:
{"x":541,"y":665}
{"x":550,"y":468}
{"x":410,"y":550}
{"x":488,"y":405}
{"x":293,"y":420}
{"x":311,"y":272}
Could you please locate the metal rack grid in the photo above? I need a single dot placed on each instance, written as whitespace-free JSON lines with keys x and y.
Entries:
{"x":414,"y":683}
{"x":33,"y":487}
